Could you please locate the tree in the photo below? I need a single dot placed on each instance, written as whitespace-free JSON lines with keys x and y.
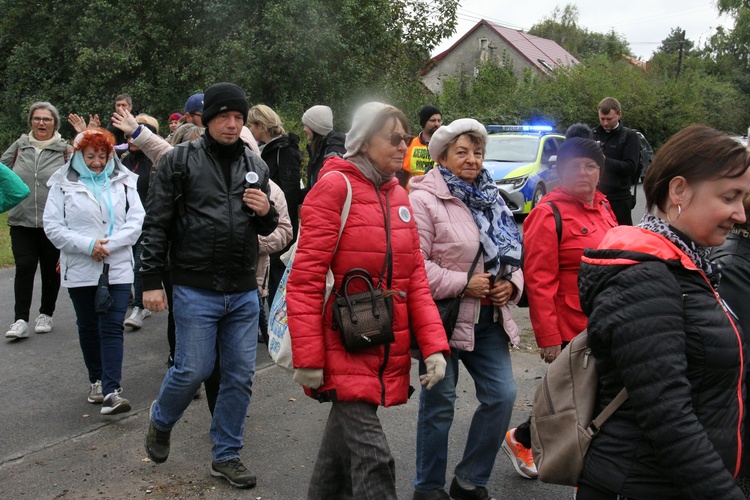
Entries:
{"x":289,"y":54}
{"x":671,"y":44}
{"x":562,"y":27}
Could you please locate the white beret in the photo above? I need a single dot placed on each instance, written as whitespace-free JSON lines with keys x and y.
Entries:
{"x":447,"y":133}
{"x":361,"y":124}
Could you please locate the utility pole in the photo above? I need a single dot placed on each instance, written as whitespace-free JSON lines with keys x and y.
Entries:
{"x":679,"y":59}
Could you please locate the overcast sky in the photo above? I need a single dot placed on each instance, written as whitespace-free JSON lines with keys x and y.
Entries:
{"x":644,"y":23}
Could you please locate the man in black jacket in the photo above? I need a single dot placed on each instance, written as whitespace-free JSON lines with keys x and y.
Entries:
{"x":207,"y":205}
{"x":622,"y":150}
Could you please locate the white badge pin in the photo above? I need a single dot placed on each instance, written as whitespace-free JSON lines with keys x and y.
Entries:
{"x":404,"y":213}
{"x":252,"y":178}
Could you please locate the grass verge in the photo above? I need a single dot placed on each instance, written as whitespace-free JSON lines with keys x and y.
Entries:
{"x":6,"y":256}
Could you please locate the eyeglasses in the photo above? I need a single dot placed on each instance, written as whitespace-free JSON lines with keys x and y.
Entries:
{"x":588,"y":168}
{"x":196,"y":113}
{"x":395,"y":139}
{"x":38,"y":119}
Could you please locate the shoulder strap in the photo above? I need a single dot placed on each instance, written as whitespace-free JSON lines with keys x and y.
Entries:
{"x":179,"y":175}
{"x":609,"y":410}
{"x":346,"y":208}
{"x":558,"y":219}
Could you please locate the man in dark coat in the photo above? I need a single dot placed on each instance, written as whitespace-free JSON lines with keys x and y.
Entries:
{"x":622,"y":150}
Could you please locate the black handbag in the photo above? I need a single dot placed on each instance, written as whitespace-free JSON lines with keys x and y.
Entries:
{"x":366,"y":318}
{"x":448,"y":308}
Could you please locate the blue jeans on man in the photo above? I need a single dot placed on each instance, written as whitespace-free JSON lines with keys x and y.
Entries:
{"x":205,"y":321}
{"x":101,"y":335}
{"x":490,"y":366}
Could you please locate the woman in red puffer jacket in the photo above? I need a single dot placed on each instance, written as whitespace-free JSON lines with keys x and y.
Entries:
{"x":354,"y":459}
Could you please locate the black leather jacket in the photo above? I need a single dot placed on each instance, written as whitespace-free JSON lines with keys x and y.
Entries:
{"x":622,"y":150}
{"x":214,"y":245}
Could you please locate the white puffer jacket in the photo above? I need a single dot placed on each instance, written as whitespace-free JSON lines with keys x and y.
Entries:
{"x":73,"y":219}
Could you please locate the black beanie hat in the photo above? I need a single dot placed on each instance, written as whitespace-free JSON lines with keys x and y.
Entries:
{"x":426,"y":113}
{"x":221,"y":97}
{"x":578,"y":147}
{"x":578,"y":130}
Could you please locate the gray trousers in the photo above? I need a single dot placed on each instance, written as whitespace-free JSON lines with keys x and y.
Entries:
{"x":354,"y":460}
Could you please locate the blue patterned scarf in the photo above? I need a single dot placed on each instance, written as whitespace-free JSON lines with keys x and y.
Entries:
{"x":498,"y":232}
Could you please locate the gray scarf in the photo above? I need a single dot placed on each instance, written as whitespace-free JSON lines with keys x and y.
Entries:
{"x":370,"y":170}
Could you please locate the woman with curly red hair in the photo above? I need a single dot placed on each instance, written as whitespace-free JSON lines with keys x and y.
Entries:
{"x":94,"y":216}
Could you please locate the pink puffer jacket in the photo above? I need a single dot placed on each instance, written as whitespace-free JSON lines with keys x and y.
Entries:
{"x":449,"y":240}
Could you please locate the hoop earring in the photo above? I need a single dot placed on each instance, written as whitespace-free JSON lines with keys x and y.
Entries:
{"x":679,"y":212}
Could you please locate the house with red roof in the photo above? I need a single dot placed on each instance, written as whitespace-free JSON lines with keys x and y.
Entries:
{"x":488,"y":41}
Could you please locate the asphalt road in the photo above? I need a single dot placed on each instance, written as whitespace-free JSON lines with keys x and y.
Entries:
{"x":53,"y":444}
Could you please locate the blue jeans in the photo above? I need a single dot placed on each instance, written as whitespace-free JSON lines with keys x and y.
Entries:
{"x":137,"y":281}
{"x":206,"y":321}
{"x":490,"y":366}
{"x":100,"y":335}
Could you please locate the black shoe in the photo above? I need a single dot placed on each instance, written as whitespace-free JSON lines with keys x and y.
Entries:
{"x":235,"y":472}
{"x":431,"y":495}
{"x":157,"y":442}
{"x":478,"y":493}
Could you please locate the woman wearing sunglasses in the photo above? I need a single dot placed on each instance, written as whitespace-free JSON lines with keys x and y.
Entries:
{"x":472,"y":248}
{"x":379,"y":237}
{"x":34,"y":158}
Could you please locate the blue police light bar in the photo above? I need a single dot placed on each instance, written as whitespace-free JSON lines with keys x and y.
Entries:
{"x":519,"y":128}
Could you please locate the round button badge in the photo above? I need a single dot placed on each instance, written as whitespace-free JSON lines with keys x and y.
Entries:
{"x":404,"y":214}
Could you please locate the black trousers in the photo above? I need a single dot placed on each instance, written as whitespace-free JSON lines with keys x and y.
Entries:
{"x":354,"y":460}
{"x":167,"y":282}
{"x":623,"y":211}
{"x":32,"y":249}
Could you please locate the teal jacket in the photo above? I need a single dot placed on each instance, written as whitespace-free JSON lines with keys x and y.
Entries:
{"x":12,"y":189}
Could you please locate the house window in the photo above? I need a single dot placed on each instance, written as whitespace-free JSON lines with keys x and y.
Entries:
{"x":483,"y":43}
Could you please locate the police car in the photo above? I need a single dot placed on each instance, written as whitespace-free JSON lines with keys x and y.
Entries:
{"x":521,"y":160}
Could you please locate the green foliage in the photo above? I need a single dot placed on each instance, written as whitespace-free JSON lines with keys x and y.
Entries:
{"x":289,"y":54}
{"x":671,"y":44}
{"x":562,"y":27}
{"x":6,"y":255}
{"x":654,"y":103}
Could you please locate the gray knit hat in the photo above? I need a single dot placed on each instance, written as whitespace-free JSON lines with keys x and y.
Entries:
{"x":319,"y":119}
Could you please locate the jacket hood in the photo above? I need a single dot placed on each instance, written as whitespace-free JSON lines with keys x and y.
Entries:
{"x":333,"y":163}
{"x":67,"y":173}
{"x":282,"y":141}
{"x":61,"y":145}
{"x":431,"y":182}
{"x":621,"y":248}
{"x":335,"y":139}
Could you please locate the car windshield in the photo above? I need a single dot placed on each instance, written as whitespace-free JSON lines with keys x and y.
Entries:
{"x":512,"y":149}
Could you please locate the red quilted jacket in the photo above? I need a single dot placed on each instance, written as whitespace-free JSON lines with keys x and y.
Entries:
{"x":379,"y":375}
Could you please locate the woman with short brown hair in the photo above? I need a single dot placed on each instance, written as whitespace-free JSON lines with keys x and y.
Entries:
{"x":658,"y":329}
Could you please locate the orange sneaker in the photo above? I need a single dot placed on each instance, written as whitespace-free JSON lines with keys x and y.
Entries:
{"x":520,"y":456}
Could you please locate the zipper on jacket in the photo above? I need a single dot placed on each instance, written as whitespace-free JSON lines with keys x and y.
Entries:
{"x":387,"y":347}
{"x":586,"y":355}
{"x":36,"y":188}
{"x":740,"y":401}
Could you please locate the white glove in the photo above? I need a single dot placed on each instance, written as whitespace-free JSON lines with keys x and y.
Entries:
{"x":435,"y":364}
{"x":312,"y":378}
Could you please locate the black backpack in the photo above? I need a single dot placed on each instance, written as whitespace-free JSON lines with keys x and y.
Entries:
{"x":524,"y":302}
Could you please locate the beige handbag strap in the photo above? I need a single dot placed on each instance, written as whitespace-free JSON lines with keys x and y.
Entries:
{"x":609,"y":410}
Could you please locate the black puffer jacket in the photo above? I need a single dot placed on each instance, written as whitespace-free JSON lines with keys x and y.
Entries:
{"x":734,"y":259}
{"x":657,"y":327}
{"x":331,"y":145}
{"x":622,"y":149}
{"x":214,"y":244}
{"x":284,"y":160}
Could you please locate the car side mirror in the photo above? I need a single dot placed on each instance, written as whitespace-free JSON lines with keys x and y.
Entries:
{"x":552,"y":160}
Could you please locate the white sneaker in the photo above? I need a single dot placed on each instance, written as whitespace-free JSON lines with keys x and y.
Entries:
{"x":43,"y":324}
{"x":145,"y":313}
{"x":18,"y":330}
{"x":135,"y":320}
